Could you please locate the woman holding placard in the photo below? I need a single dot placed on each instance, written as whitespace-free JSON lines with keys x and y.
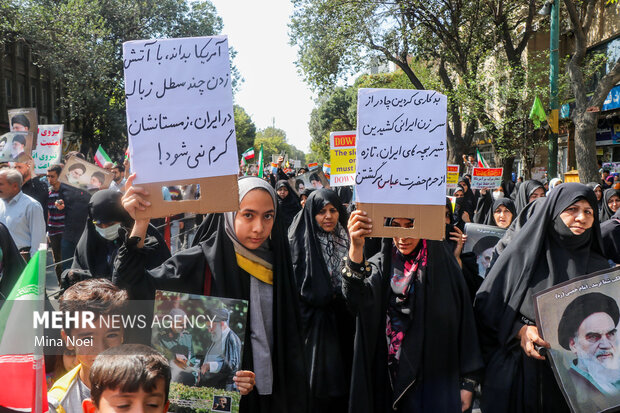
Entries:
{"x":416,"y":347}
{"x":242,"y":255}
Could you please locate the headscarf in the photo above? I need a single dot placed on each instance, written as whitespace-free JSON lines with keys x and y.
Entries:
{"x":508,"y":186}
{"x":554,"y":182}
{"x":515,"y":190}
{"x":95,"y":253}
{"x":12,"y":263}
{"x":261,"y":265}
{"x":606,"y":212}
{"x":318,"y":257}
{"x":542,"y":254}
{"x":469,"y":194}
{"x":525,"y":191}
{"x":289,"y":206}
{"x":507,"y":202}
{"x":483,"y":208}
{"x":610,"y":231}
{"x":593,"y":185}
{"x":462,"y":205}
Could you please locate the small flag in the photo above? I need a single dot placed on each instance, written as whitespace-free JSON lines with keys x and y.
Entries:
{"x":537,"y":114}
{"x":327,"y":169}
{"x":101,"y":157}
{"x":260,"y":162}
{"x":312,"y":166}
{"x":21,"y":359}
{"x":248,"y":154}
{"x":274,"y":168}
{"x":481,"y":162}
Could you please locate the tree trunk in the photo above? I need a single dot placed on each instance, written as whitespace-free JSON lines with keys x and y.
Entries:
{"x":585,"y":145}
{"x":507,"y":165}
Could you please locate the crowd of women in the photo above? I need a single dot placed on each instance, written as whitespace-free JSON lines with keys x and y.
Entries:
{"x":340,"y":321}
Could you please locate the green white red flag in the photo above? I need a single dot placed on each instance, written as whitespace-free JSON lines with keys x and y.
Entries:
{"x":101,"y":157}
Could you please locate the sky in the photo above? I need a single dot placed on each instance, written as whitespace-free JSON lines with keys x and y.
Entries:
{"x":272,"y":88}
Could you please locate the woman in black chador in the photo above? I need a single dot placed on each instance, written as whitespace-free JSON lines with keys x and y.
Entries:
{"x":416,"y":347}
{"x":561,"y":240}
{"x":528,"y":191}
{"x":288,"y":202}
{"x":242,"y":255}
{"x":319,"y":243}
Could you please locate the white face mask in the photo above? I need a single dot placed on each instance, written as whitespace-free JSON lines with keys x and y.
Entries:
{"x":497,"y":194}
{"x":110,"y":233}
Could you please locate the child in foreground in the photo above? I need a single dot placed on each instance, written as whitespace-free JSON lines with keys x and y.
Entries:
{"x":129,"y":378}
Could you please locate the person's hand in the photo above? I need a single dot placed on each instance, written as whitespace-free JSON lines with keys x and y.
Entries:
{"x":205,"y":367}
{"x":466,"y":398}
{"x":460,"y":238}
{"x":60,"y":204}
{"x":529,"y":336}
{"x":465,"y":217}
{"x":483,"y":191}
{"x":360,"y":226}
{"x":133,"y":198}
{"x":245,"y":381}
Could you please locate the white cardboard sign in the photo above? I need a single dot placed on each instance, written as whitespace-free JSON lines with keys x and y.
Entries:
{"x":49,"y":148}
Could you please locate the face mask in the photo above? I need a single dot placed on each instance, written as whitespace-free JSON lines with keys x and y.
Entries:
{"x":497,"y":194}
{"x":110,"y":233}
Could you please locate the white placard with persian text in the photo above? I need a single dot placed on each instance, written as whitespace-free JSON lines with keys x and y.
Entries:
{"x":401,"y":147}
{"x":179,"y":108}
{"x":49,"y":148}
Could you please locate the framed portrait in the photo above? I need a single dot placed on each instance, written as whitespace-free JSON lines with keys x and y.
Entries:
{"x":481,"y":240}
{"x":24,"y":120}
{"x":13,"y":144}
{"x":84,"y":175}
{"x":314,"y":179}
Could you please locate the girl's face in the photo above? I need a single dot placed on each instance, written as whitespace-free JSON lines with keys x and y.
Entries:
{"x":404,"y":245}
{"x":503,"y":216}
{"x":327,"y":218}
{"x":538,"y":193}
{"x":282,"y":192}
{"x":599,"y":193}
{"x":302,"y":200}
{"x":614,"y":202}
{"x":254,"y":220}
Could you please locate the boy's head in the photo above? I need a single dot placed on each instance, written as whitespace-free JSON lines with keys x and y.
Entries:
{"x":103,"y":299}
{"x":128,"y":378}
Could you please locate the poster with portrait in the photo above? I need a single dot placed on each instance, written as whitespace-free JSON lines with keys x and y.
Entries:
{"x":579,"y":319}
{"x":481,"y":240}
{"x":314,"y":180}
{"x":24,"y":120}
{"x":203,"y":339}
{"x":13,"y":144}
{"x":84,"y":175}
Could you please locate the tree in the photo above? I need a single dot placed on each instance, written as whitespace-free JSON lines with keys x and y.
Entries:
{"x":244,"y":128}
{"x":587,"y":109}
{"x":274,"y":143}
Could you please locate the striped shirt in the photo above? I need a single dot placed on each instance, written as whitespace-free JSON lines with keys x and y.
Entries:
{"x":56,"y":217}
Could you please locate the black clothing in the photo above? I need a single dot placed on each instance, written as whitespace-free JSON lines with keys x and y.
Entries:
{"x":483,"y":208}
{"x":543,"y":253}
{"x":606,"y":212}
{"x":96,"y":254}
{"x":610,"y":231}
{"x":507,"y":202}
{"x":345,"y":193}
{"x":508,"y":187}
{"x":462,"y":205}
{"x":186,"y":272}
{"x":289,"y":206}
{"x":12,"y":263}
{"x":37,"y":189}
{"x":526,"y":189}
{"x":76,"y":211}
{"x":593,"y":185}
{"x":469,"y":194}
{"x":328,"y":326}
{"x":439,"y":348}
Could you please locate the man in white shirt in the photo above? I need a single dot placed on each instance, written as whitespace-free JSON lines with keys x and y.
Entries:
{"x":21,"y":214}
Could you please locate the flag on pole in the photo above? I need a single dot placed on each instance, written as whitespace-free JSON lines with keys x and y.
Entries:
{"x":101,"y":157}
{"x":312,"y":166}
{"x":248,"y":154}
{"x":260,"y":162}
{"x":481,"y":162}
{"x":537,"y":114}
{"x":21,"y":360}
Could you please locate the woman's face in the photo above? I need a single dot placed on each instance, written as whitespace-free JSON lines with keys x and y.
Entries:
{"x":613,"y":202}
{"x":538,"y":193}
{"x":448,"y":213}
{"x":578,"y":217}
{"x":503,"y":216}
{"x":282,"y":192}
{"x":327,"y":218}
{"x":254,"y":220}
{"x":404,"y":245}
{"x":302,"y":200}
{"x":464,"y":185}
{"x":599,"y":193}
{"x":459,"y":194}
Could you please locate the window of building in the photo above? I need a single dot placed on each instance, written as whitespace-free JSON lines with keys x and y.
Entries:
{"x":33,"y":95}
{"x":8,"y":87}
{"x":21,"y":95}
{"x":44,"y":100}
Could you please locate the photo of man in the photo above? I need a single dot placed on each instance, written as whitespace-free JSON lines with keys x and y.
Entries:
{"x":315,"y":181}
{"x":588,"y":328}
{"x":17,"y":146}
{"x":96,"y":180}
{"x":20,"y":123}
{"x":483,"y":249}
{"x":75,"y":173}
{"x":223,"y":357}
{"x":221,"y":404}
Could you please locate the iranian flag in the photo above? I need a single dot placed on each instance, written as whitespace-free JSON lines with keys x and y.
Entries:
{"x":101,"y":157}
{"x":21,"y":361}
{"x":481,"y":162}
{"x":261,"y":161}
{"x":249,"y":154}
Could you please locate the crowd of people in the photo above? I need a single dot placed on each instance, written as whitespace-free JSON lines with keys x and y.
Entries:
{"x":338,"y":320}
